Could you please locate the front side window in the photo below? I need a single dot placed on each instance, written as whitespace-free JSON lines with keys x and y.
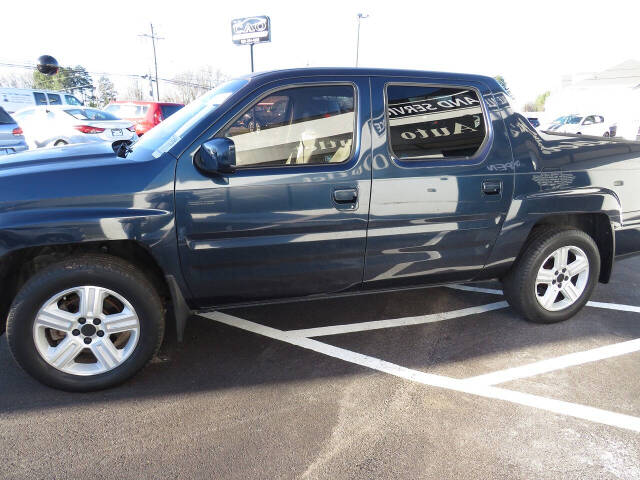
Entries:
{"x":434,"y":122}
{"x":54,"y":99}
{"x":296,"y":126}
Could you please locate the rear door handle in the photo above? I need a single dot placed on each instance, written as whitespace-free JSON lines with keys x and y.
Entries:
{"x":491,"y":187}
{"x":345,"y":195}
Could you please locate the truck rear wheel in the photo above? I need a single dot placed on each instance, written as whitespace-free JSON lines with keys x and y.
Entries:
{"x":555,"y":276}
{"x":85,"y":323}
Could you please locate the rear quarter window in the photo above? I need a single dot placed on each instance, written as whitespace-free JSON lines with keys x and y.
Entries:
{"x":168,"y":110}
{"x":428,"y":122}
{"x":5,"y":118}
{"x":71,"y":100}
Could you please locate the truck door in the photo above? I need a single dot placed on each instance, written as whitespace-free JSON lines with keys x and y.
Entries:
{"x":292,"y":219}
{"x":442,"y":180}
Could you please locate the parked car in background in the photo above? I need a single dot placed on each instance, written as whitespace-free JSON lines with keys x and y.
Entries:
{"x":534,"y":120}
{"x":62,"y":125}
{"x":14,"y":99}
{"x":144,"y":115}
{"x":11,"y":136}
{"x":580,"y":125}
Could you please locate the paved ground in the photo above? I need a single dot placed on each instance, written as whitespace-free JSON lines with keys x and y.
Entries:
{"x":375,"y":402}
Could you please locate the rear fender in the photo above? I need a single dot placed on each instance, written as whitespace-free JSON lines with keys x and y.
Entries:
{"x":564,"y":207}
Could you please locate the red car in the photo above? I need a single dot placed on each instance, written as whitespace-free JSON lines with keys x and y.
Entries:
{"x":144,"y":115}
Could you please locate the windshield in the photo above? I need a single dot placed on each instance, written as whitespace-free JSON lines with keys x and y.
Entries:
{"x":90,"y":114}
{"x":168,"y":133}
{"x":127,"y":110}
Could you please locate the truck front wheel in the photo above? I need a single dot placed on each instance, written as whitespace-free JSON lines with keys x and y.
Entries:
{"x":555,"y":276}
{"x":85,"y":323}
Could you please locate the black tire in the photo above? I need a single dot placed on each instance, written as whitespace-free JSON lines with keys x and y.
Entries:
{"x":60,"y":143}
{"x":519,"y":283}
{"x":102,"y":271}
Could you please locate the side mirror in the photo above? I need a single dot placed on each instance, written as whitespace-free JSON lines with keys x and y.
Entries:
{"x":216,"y":156}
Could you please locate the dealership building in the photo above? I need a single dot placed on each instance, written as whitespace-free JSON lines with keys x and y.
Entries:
{"x":613,"y":93}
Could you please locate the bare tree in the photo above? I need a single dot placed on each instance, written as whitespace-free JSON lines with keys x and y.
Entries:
{"x":17,"y":80}
{"x":187,"y":86}
{"x":134,"y":92}
{"x":106,"y":91}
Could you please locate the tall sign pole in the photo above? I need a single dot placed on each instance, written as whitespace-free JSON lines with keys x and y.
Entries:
{"x":251,"y":30}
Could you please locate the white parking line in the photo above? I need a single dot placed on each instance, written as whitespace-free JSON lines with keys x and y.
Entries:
{"x":556,"y":406}
{"x":544,"y":366}
{"x":614,"y":306}
{"x":493,"y":291}
{"x":397,"y":322}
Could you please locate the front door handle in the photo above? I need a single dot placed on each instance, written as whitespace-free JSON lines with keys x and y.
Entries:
{"x":345,"y":195}
{"x":491,"y":187}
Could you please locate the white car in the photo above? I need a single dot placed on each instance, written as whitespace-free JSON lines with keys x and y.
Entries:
{"x":580,"y":125}
{"x":15,"y":99}
{"x":61,"y":125}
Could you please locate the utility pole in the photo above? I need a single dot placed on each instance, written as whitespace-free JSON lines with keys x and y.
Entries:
{"x":153,"y":38}
{"x":360,"y":17}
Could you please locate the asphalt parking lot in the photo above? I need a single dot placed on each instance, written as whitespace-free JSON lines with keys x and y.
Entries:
{"x":429,"y":383}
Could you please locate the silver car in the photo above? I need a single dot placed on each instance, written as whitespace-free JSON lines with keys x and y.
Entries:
{"x":54,"y":126}
{"x":11,"y":137}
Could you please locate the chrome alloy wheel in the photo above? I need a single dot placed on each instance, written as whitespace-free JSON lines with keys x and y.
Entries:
{"x":562,"y":278}
{"x":86,"y":330}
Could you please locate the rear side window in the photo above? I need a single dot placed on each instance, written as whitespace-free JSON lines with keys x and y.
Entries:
{"x":54,"y":99}
{"x":168,"y":110}
{"x":434,"y":122}
{"x":127,"y":110}
{"x":41,"y":98}
{"x":90,"y":114}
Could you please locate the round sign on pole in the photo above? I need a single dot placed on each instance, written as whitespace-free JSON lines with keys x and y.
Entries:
{"x":48,"y":65}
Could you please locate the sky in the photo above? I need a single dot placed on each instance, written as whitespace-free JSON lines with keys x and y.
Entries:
{"x":532,"y":44}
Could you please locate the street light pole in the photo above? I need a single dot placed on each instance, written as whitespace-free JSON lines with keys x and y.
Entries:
{"x":360,"y":17}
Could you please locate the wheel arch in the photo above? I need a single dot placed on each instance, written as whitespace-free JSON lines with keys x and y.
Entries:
{"x":19,"y":265}
{"x":597,"y":225}
{"x":593,"y":210}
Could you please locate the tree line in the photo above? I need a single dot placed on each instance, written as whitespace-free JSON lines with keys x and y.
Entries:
{"x":182,"y":88}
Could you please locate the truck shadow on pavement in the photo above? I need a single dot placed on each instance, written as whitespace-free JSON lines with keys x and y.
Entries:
{"x":214,"y":356}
